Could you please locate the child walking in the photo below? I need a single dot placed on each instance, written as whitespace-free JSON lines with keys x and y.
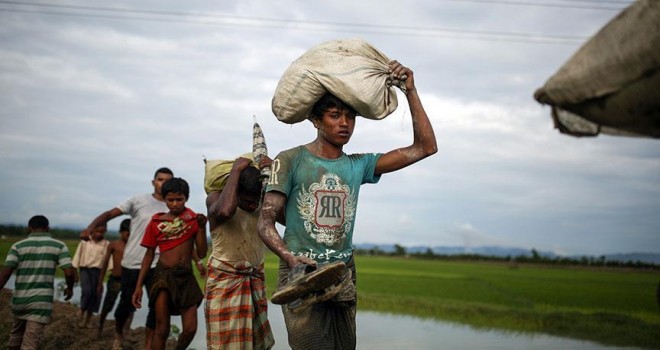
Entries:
{"x":34,"y":259}
{"x":112,"y":261}
{"x":88,"y":260}
{"x":174,"y":289}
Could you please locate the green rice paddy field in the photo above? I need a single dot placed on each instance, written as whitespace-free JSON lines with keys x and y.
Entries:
{"x":614,"y":307}
{"x":609,"y":306}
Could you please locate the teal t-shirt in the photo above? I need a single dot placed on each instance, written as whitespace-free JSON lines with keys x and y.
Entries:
{"x":322,"y":196}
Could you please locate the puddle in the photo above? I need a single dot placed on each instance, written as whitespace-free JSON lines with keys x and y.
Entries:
{"x":388,"y":331}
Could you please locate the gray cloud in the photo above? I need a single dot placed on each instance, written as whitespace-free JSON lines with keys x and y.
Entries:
{"x":92,"y":106}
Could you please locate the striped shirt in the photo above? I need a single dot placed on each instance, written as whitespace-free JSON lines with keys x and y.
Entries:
{"x":35,"y":260}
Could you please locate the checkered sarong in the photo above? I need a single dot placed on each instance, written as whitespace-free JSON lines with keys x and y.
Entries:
{"x":326,"y":325}
{"x":236,"y":307}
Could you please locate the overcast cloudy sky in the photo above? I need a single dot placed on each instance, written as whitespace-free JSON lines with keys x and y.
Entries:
{"x":97,"y":95}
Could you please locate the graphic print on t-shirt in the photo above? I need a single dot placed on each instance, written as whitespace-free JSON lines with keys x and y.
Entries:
{"x":327,"y":209}
{"x":173,"y":229}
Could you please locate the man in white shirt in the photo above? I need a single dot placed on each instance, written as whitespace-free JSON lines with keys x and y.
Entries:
{"x":141,"y":208}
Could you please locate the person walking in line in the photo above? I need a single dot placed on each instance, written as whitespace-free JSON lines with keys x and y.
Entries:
{"x":88,"y":259}
{"x":35,"y":260}
{"x":174,"y":291}
{"x":314,"y":189}
{"x":112,"y":262}
{"x":140,"y":208}
{"x":236,"y":308}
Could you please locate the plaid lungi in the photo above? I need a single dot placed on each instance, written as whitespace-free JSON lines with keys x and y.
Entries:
{"x":236,"y":307}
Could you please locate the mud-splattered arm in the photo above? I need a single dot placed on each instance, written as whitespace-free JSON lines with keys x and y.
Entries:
{"x":424,"y":142}
{"x":273,"y":204}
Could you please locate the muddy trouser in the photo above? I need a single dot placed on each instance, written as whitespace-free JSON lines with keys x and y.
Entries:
{"x":325,"y":325}
{"x":90,"y":299}
{"x":112,"y":289}
{"x":129,"y":279}
{"x":25,"y":334}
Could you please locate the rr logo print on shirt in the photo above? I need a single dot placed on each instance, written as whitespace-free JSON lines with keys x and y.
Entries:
{"x":327,"y":209}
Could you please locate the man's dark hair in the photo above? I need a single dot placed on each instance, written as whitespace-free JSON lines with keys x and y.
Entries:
{"x":163,"y":170}
{"x":249,"y":182}
{"x":175,"y":185}
{"x":125,"y":225}
{"x":329,"y":101}
{"x":38,"y":222}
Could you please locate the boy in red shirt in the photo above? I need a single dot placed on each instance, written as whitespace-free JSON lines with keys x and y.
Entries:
{"x":174,"y":289}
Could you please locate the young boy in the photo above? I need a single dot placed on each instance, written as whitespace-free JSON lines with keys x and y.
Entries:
{"x":174,"y":290}
{"x":88,"y":260}
{"x":316,"y":187}
{"x":35,"y":259}
{"x":115,"y":251}
{"x":140,"y":208}
{"x":236,"y":307}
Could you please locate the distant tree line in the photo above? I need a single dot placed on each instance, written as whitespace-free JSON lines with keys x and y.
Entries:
{"x":534,"y":257}
{"x":19,"y":231}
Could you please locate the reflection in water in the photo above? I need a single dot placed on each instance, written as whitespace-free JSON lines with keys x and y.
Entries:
{"x":377,"y":331}
{"x":387,"y":331}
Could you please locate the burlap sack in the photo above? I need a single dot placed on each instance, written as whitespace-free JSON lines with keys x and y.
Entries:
{"x":611,"y":84}
{"x":216,"y":172}
{"x":352,"y":70}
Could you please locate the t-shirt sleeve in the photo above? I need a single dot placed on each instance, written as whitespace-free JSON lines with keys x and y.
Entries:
{"x":76,"y":255}
{"x":369,"y":176}
{"x":64,"y":258}
{"x":12,"y":257}
{"x":280,"y":172}
{"x":126,"y":206}
{"x":150,"y":234}
{"x":194,"y":225}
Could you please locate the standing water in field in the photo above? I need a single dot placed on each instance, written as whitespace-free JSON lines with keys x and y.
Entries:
{"x":378,"y":331}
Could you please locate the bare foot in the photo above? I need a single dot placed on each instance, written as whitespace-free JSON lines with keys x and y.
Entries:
{"x":117,"y":343}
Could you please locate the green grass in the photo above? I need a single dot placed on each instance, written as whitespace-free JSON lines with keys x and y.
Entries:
{"x":615,"y":307}
{"x":609,"y":306}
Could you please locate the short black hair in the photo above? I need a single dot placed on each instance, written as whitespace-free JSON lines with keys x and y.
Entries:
{"x":38,"y":222}
{"x":125,"y":225}
{"x":163,"y":170}
{"x":175,"y":185}
{"x":329,"y":101}
{"x":249,"y":182}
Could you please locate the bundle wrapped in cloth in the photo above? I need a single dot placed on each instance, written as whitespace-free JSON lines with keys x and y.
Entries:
{"x":352,"y":70}
{"x":216,"y":171}
{"x":260,"y":151}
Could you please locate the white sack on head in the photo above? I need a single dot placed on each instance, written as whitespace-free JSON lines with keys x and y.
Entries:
{"x":612,"y":83}
{"x":352,"y":70}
